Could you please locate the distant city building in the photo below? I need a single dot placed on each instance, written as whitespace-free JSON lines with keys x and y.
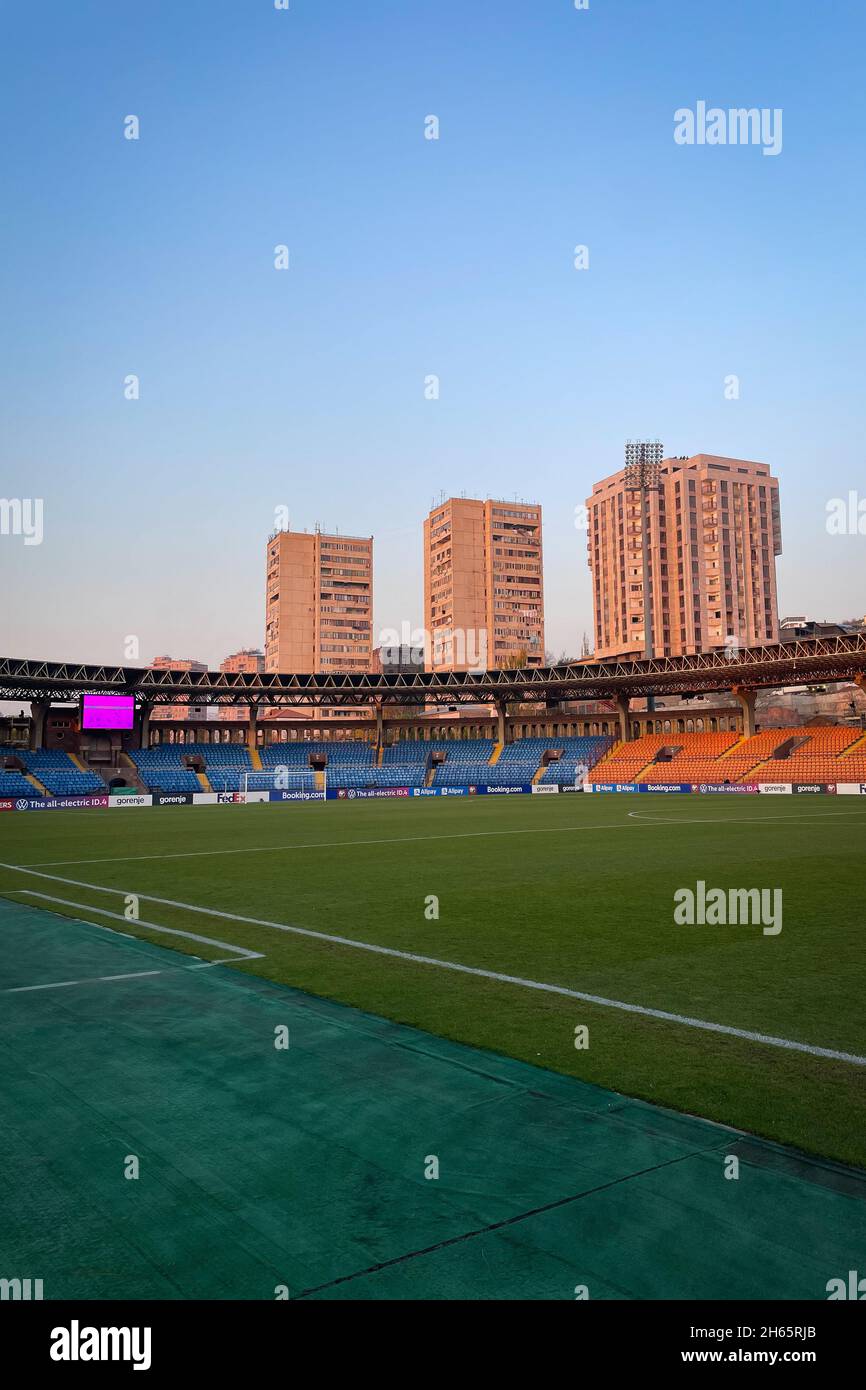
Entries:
{"x":319,"y":603}
{"x":400,"y":660}
{"x":183,"y":710}
{"x":483,"y":585}
{"x":793,"y":629}
{"x":682,"y":554}
{"x":248,"y":659}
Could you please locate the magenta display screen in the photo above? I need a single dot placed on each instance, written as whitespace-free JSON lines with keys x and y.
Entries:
{"x":108,"y":712}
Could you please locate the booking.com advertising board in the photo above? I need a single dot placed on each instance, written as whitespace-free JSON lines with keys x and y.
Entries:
{"x":134,"y":800}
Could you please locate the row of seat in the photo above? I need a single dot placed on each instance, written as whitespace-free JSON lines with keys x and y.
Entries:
{"x":805,"y":754}
{"x":55,"y":770}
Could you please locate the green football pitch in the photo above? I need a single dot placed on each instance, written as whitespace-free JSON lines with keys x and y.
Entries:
{"x":506,"y":973}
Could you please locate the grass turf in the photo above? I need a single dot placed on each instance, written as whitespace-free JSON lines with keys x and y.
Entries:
{"x":570,"y":890}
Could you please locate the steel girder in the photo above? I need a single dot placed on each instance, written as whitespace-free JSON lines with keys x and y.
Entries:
{"x":804,"y":662}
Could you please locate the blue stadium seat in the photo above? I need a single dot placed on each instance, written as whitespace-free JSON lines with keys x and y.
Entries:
{"x":59,"y":775}
{"x":16,"y":784}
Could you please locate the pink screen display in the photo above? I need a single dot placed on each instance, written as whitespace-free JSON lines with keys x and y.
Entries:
{"x":108,"y":712}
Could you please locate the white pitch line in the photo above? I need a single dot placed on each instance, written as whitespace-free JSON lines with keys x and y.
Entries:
{"x":151,"y":926}
{"x":315,"y":844}
{"x":683,"y":1019}
{"x":649,"y":819}
{"x":413,"y":839}
{"x":92,"y":980}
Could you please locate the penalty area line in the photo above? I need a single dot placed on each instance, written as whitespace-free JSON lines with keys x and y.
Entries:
{"x":663,"y":1015}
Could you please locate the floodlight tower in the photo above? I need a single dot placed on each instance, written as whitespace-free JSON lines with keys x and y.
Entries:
{"x":643,"y":458}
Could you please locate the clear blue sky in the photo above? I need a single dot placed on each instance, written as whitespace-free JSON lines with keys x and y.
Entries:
{"x":408,"y":257}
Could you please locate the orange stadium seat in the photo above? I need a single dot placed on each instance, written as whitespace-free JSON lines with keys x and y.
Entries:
{"x":814,"y":753}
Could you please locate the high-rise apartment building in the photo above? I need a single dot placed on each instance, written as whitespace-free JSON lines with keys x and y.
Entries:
{"x":184,"y":710}
{"x":247,"y":659}
{"x":319,"y":602}
{"x":483,"y":585}
{"x":682,"y":554}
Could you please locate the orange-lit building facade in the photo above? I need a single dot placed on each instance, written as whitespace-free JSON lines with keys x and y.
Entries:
{"x":685,"y":562}
{"x":483,"y":585}
{"x":182,"y":711}
{"x":319,"y":602}
{"x":248,"y":659}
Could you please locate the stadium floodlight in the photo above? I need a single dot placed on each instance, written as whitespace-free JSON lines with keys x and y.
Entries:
{"x":643,"y":460}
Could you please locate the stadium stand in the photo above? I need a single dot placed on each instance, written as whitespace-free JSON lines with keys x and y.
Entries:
{"x":820,"y":753}
{"x":59,"y":774}
{"x":161,"y":769}
{"x":16,"y":784}
{"x":298,"y":754}
{"x":814,"y":753}
{"x":349,"y":764}
{"x":577,"y":753}
{"x":625,"y":762}
{"x":695,"y":758}
{"x":408,"y":751}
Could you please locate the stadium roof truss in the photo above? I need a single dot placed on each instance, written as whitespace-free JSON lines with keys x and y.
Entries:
{"x":803,"y":662}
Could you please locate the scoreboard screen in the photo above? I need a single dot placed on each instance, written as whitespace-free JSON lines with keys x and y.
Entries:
{"x":108,"y":712}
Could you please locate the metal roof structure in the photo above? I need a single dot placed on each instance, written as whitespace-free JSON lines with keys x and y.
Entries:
{"x":801,"y":662}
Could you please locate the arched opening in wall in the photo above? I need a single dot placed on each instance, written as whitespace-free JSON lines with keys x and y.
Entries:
{"x":699,"y":726}
{"x":667,"y":727}
{"x":681,"y":726}
{"x":690,"y":726}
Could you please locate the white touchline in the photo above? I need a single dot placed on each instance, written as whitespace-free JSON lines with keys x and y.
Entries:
{"x":650,"y":819}
{"x":682,"y":1019}
{"x":417,"y":839}
{"x":151,"y":926}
